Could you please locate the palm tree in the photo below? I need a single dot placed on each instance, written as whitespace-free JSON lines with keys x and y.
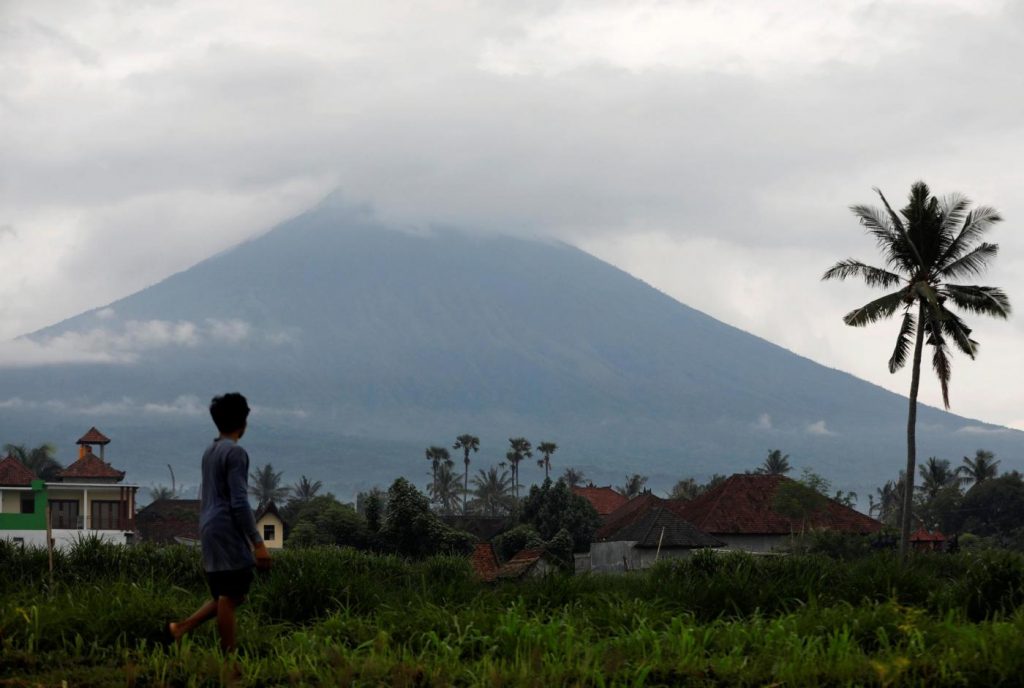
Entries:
{"x":935,"y":475}
{"x":446,"y":489}
{"x":40,"y":460}
{"x":982,"y":467}
{"x":436,"y":456}
{"x":521,"y":449}
{"x":158,"y":492}
{"x":492,"y":490}
{"x":634,"y":485}
{"x":924,"y":245}
{"x":304,"y":490}
{"x":889,"y":506}
{"x":466,"y":443}
{"x":266,"y":486}
{"x":777,"y":463}
{"x":573,"y":477}
{"x":547,"y":449}
{"x":686,"y":489}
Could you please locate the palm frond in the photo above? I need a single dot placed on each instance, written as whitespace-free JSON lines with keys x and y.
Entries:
{"x":878,"y":225}
{"x":972,"y":263}
{"x":953,"y":211}
{"x":902,"y":348}
{"x":876,"y":310}
{"x":976,"y":223}
{"x":955,"y":328}
{"x":931,"y":299}
{"x":873,"y":277}
{"x":906,"y":248}
{"x":982,"y":300}
{"x":940,"y":360}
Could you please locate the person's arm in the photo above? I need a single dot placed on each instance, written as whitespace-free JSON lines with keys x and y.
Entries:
{"x":241,"y":512}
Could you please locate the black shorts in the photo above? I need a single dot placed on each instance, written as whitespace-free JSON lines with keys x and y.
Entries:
{"x":234,"y":584}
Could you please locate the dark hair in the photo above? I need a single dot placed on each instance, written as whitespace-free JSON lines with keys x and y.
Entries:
{"x":229,"y":411}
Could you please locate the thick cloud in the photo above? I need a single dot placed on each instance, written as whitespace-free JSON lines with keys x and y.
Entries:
{"x":710,"y":148}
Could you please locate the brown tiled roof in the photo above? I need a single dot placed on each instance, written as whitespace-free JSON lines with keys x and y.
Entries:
{"x":659,"y":526}
{"x":93,"y":436}
{"x":90,"y":466}
{"x":167,"y":519}
{"x":15,"y":473}
{"x":627,"y":514}
{"x":519,"y":565}
{"x":484,"y":562}
{"x":922,"y":535}
{"x":744,"y":504}
{"x":604,"y":499}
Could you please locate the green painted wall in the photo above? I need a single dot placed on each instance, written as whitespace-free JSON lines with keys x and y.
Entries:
{"x":36,"y":521}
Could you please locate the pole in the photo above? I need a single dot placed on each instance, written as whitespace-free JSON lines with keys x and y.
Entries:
{"x":660,"y":538}
{"x":49,"y":540}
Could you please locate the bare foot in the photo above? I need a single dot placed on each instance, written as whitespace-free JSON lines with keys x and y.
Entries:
{"x":174,"y":631}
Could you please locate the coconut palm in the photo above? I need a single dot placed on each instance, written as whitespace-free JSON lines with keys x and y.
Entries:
{"x":686,"y":489}
{"x":521,"y":449}
{"x":466,"y":443}
{"x":437,"y":456}
{"x":158,"y":492}
{"x":926,"y":244}
{"x":266,"y":486}
{"x":937,"y":474}
{"x":40,"y":460}
{"x":634,"y":485}
{"x":446,"y":488}
{"x":777,"y":463}
{"x":305,"y":489}
{"x":982,"y":467}
{"x":573,"y":477}
{"x":492,"y":491}
{"x":547,"y":449}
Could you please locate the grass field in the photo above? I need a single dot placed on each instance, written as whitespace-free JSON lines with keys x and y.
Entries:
{"x":340,"y":617}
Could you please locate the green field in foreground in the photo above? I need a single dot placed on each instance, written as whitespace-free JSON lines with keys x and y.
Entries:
{"x":340,"y":617}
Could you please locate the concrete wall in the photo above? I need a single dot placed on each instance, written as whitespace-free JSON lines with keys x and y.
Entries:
{"x":271,"y":519}
{"x":62,"y":539}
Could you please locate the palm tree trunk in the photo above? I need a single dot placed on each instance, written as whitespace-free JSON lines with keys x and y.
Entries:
{"x":465,"y":488}
{"x":908,"y":481}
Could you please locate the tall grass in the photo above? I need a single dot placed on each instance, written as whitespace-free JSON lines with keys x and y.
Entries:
{"x":329,"y":616}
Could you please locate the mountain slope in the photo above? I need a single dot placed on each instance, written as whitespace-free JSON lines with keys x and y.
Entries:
{"x":359,"y":345}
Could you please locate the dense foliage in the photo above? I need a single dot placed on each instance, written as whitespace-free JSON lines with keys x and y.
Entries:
{"x":338,"y":616}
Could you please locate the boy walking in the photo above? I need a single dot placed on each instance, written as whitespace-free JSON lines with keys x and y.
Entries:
{"x":227,"y":529}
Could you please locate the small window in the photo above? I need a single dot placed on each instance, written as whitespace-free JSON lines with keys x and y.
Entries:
{"x":28,"y":503}
{"x":268,"y":532}
{"x":19,"y":541}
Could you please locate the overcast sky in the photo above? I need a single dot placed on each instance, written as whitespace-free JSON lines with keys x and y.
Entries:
{"x":709,"y":148}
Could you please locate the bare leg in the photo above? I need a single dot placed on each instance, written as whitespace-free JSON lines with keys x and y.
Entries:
{"x":226,"y":621}
{"x":204,"y":613}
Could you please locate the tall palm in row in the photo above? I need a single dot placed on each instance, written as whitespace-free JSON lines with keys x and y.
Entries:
{"x":466,"y":443}
{"x":40,"y":460}
{"x":437,"y":456}
{"x":925,"y":245}
{"x":547,"y":449}
{"x":573,"y":477}
{"x":520,"y":449}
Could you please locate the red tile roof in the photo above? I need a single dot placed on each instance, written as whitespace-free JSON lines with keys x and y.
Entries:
{"x":90,"y":466}
{"x":166,"y":520}
{"x":744,"y":504}
{"x":519,"y":565}
{"x":484,"y":562}
{"x":93,"y":436}
{"x":922,"y":535}
{"x":15,"y":473}
{"x":604,"y":499}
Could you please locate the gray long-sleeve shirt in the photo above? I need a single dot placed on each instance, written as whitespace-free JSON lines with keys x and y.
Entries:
{"x":227,"y":528}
